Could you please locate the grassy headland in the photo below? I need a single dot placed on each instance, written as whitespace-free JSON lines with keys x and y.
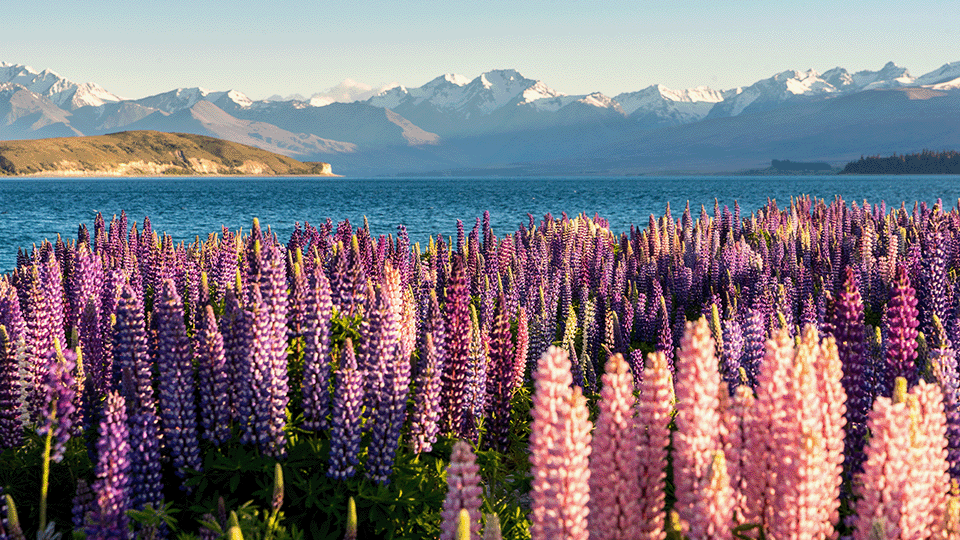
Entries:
{"x":146,"y":153}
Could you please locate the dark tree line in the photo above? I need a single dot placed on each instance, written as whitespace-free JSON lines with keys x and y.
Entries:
{"x":925,"y":162}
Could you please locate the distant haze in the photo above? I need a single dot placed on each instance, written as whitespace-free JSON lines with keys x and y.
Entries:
{"x":341,"y":50}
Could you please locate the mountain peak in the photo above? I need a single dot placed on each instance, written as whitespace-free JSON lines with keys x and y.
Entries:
{"x":65,"y":93}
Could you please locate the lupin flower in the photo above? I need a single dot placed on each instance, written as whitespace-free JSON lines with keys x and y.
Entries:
{"x":213,"y":381}
{"x":108,"y":520}
{"x":345,"y":429}
{"x":454,"y":399}
{"x":943,"y":365}
{"x":177,"y":386}
{"x":754,"y":334}
{"x":316,"y":355}
{"x":901,"y":313}
{"x":654,"y":413}
{"x":424,"y":429}
{"x":849,"y":332}
{"x":904,"y":478}
{"x":83,"y":503}
{"x":10,"y":386}
{"x":731,"y":353}
{"x":390,"y":402}
{"x":463,"y":492}
{"x":236,"y":326}
{"x":559,"y":452}
{"x":268,"y":382}
{"x":614,"y":483}
{"x":500,"y":377}
{"x":699,"y":434}
{"x":59,"y":400}
{"x":130,"y":344}
{"x":520,"y":358}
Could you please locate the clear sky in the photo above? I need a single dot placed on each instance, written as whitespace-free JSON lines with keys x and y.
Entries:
{"x":136,"y":48}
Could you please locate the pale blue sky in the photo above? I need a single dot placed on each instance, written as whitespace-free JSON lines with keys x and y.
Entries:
{"x":136,"y":48}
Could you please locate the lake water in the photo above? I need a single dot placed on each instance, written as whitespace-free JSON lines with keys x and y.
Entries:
{"x":35,"y":209}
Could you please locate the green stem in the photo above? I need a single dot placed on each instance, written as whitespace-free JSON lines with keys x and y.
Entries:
{"x":45,"y":479}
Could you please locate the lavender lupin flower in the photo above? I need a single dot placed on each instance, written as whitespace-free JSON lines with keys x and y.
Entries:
{"x":390,"y":402}
{"x":177,"y":383}
{"x":10,"y":424}
{"x":902,"y":325}
{"x":454,"y":402}
{"x":499,"y":380}
{"x":754,"y":335}
{"x":112,"y":486}
{"x":238,"y":350}
{"x":345,"y":429}
{"x":130,"y":347}
{"x":214,"y":385}
{"x":316,"y":355}
{"x":59,"y":400}
{"x":270,"y":353}
{"x":423,"y":431}
{"x":83,"y":503}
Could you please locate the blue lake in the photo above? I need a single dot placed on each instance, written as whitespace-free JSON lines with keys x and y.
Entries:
{"x":34,"y":209}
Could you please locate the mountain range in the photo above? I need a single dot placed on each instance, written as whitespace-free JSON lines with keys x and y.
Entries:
{"x":501,"y":122}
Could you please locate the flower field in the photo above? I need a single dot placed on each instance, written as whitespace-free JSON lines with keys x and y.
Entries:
{"x":784,"y":374}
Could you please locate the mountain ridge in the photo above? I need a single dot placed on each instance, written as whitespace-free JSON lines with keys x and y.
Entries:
{"x":496,"y":119}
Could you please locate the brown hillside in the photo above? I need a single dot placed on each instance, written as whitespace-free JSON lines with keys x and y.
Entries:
{"x":146,"y":153}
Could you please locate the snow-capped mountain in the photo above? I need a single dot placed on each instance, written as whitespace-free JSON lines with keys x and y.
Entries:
{"x":502,"y":117}
{"x":185,"y":98}
{"x":944,"y":77}
{"x":494,"y":101}
{"x":659,"y":105}
{"x":65,"y":93}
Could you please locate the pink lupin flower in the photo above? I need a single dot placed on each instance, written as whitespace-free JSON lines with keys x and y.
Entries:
{"x":463,"y":492}
{"x":736,"y":412}
{"x":559,"y":452}
{"x":699,"y":436}
{"x":904,"y":480}
{"x":654,"y":412}
{"x":760,"y":451}
{"x":614,"y":483}
{"x":832,"y":399}
{"x":800,"y":477}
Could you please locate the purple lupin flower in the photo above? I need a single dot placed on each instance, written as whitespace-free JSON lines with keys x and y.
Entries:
{"x":91,"y":343}
{"x":177,"y":382}
{"x":237,"y":332}
{"x":59,"y":407}
{"x":11,"y":426}
{"x":112,"y":487}
{"x":847,"y":327}
{"x":83,"y":504}
{"x":130,"y":352}
{"x":38,"y":336}
{"x":901,"y":313}
{"x":731,"y":353}
{"x":454,"y":404}
{"x":270,"y":353}
{"x":423,"y":431}
{"x":943,"y":365}
{"x":389,"y":402}
{"x":754,"y":336}
{"x":214,"y":385}
{"x":499,"y":380}
{"x":316,"y":355}
{"x":345,"y":429}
